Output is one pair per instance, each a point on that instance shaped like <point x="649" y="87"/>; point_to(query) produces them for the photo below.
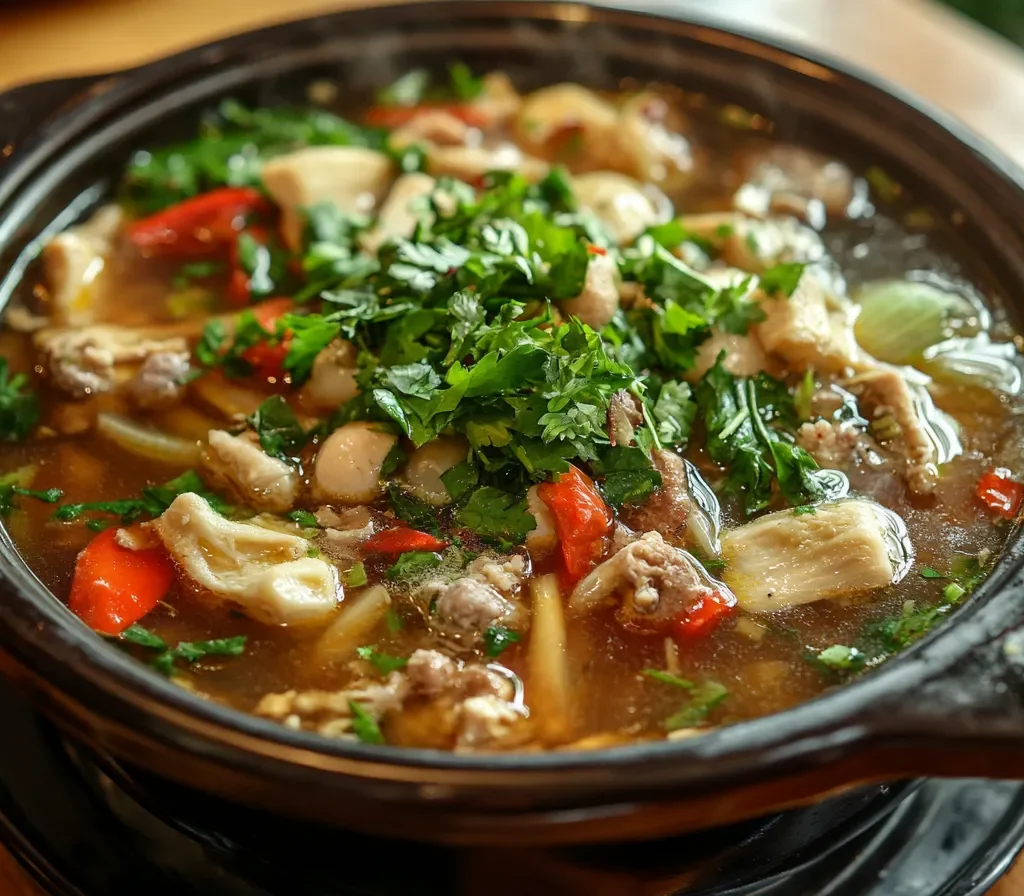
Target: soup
<point x="487" y="421"/>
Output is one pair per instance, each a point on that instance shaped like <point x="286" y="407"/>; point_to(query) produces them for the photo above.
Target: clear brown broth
<point x="611" y="694"/>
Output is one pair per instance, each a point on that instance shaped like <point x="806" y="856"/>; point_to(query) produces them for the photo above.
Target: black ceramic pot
<point x="953" y="705"/>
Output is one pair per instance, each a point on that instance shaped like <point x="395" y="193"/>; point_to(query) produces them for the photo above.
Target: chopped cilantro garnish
<point x="185" y="651"/>
<point x="669" y="678"/>
<point x="704" y="698"/>
<point x="280" y="433"/>
<point x="304" y="518"/>
<point x="782" y="279"/>
<point x="19" y="407"/>
<point x="497" y="638"/>
<point x="364" y="726"/>
<point x="840" y="658"/>
<point x="355" y="576"/>
<point x="413" y="563"/>
<point x="383" y="662"/>
<point x="926" y="572"/>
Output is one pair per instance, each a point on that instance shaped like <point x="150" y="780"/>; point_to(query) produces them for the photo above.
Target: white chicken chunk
<point x="810" y="329"/>
<point x="620" y="203"/>
<point x="926" y="437"/>
<point x="399" y="212"/>
<point x="653" y="581"/>
<point x="648" y="148"/>
<point x="599" y="301"/>
<point x="471" y="163"/>
<point x="837" y="550"/>
<point x="332" y="380"/>
<point x="352" y="178"/>
<point x="73" y="262"/>
<point x="549" y="113"/>
<point x="427" y="464"/>
<point x="832" y="444"/>
<point x="264" y="573"/>
<point x="785" y="179"/>
<point x="349" y="463"/>
<point x="239" y="464"/>
<point x="83" y="361"/>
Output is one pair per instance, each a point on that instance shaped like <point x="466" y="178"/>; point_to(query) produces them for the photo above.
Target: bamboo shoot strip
<point x="548" y="693"/>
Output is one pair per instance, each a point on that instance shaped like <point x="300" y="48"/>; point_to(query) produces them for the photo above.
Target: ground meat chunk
<point x="668" y="508"/>
<point x="239" y="464"/>
<point x="329" y="713"/>
<point x="504" y="573"/>
<point x="160" y="381"/>
<point x="431" y="672"/>
<point x="655" y="582"/>
<point x="486" y="721"/>
<point x="831" y="444"/>
<point x="470" y="605"/>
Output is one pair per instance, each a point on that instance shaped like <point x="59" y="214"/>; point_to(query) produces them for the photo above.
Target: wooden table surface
<point x="923" y="48"/>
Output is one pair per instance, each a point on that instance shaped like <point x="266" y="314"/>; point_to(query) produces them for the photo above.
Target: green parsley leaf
<point x="19" y="408"/>
<point x="497" y="638"/>
<point x="136" y="634"/>
<point x="408" y="90"/>
<point x="465" y="85"/>
<point x="704" y="699"/>
<point x="383" y="662"/>
<point x="627" y="475"/>
<point x="840" y="658"/>
<point x="782" y="279"/>
<point x="492" y="513"/>
<point x="364" y="726"/>
<point x="669" y="678"/>
<point x="926" y="572"/>
<point x="305" y="518"/>
<point x="674" y="411"/>
<point x="280" y="433"/>
<point x="413" y="563"/>
<point x="418" y="514"/>
<point x="355" y="576"/>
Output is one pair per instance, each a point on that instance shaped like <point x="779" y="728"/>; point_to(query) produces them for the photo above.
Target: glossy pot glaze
<point x="952" y="705"/>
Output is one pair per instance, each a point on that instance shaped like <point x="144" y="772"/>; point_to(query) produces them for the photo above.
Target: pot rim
<point x="45" y="638"/>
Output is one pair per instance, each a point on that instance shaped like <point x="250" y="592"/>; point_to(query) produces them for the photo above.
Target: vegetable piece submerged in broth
<point x="485" y="421"/>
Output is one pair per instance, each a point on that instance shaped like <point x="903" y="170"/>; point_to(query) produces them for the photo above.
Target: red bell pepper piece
<point x="999" y="493"/>
<point x="198" y="226"/>
<point x="582" y="519"/>
<point x="596" y="250"/>
<point x="390" y="117"/>
<point x="704" y="616"/>
<point x="114" y="587"/>
<point x="268" y="358"/>
<point x="401" y="539"/>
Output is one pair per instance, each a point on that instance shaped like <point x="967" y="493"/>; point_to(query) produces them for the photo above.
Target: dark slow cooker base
<point x="83" y="832"/>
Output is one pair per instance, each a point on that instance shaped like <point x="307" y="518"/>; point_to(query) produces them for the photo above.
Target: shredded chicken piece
<point x="82" y="362"/>
<point x="398" y="213"/>
<point x="744" y="355"/>
<point x="73" y="261"/>
<point x="435" y="127"/>
<point x="160" y="382"/>
<point x="470" y="163"/>
<point x="265" y="573"/>
<point x="239" y="464"/>
<point x="625" y="413"/>
<point x="656" y="582"/>
<point x="597" y="304"/>
<point x="353" y="178"/>
<point x="621" y="204"/>
<point x="887" y="391"/>
<point x="810" y="329"/>
<point x="432" y="673"/>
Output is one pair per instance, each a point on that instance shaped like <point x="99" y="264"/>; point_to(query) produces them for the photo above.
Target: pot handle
<point x="957" y="707"/>
<point x="27" y="109"/>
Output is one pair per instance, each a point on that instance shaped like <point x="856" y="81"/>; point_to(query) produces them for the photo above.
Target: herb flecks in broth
<point x="443" y="425"/>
